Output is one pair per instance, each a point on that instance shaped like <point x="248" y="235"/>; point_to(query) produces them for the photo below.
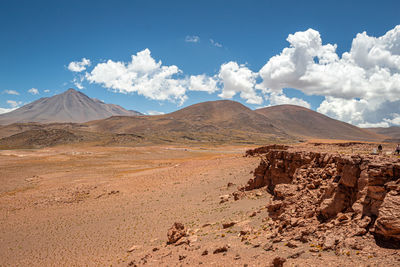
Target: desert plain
<point x="82" y="205"/>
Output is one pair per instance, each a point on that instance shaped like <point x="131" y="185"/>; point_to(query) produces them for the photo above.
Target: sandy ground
<point x="87" y="206"/>
<point x="78" y="206"/>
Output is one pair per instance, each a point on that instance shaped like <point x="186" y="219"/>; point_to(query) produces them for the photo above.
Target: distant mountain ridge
<point x="393" y="133"/>
<point x="304" y="122"/>
<point x="222" y="121"/>
<point x="70" y="106"/>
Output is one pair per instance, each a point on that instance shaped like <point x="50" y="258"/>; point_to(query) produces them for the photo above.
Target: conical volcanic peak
<point x="69" y="106"/>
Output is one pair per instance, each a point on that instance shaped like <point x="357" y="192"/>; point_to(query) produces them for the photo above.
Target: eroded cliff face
<point x="329" y="198"/>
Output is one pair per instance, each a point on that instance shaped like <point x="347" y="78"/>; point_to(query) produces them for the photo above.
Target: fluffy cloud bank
<point x="358" y="86"/>
<point x="142" y="75"/>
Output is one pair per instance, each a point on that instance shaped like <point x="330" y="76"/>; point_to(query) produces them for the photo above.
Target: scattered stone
<point x="205" y="252"/>
<point x="237" y="257"/>
<point x="296" y="254"/>
<point x="246" y="229"/>
<point x="268" y="246"/>
<point x="277" y="262"/>
<point x="237" y="195"/>
<point x="291" y="244"/>
<point x="228" y="224"/>
<point x="133" y="248"/>
<point x="182" y="257"/>
<point x="224" y="198"/>
<point x="221" y="249"/>
<point x="253" y="214"/>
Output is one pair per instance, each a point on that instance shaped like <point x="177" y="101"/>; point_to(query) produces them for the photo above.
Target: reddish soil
<point x="98" y="206"/>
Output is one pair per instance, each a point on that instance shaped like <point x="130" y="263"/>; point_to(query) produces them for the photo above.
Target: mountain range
<point x="72" y="116"/>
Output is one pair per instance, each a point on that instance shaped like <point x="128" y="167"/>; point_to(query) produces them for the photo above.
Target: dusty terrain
<point x="101" y="206"/>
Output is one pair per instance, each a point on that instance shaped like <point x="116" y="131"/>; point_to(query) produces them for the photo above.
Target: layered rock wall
<point x="330" y="194"/>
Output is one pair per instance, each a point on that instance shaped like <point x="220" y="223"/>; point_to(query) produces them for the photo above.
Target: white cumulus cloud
<point x="192" y="39"/>
<point x="358" y="87"/>
<point x="238" y="79"/>
<point x="203" y="83"/>
<point x="79" y="66"/>
<point x="280" y="99"/>
<point x="33" y="91"/>
<point x="142" y="75"/>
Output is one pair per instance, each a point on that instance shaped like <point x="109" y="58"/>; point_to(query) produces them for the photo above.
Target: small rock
<point x="277" y="262"/>
<point x="259" y="194"/>
<point x="176" y="232"/>
<point x="221" y="249"/>
<point x="268" y="246"/>
<point x="237" y="257"/>
<point x="230" y="184"/>
<point x="296" y="254"/>
<point x="291" y="244"/>
<point x="134" y="248"/>
<point x="228" y="224"/>
<point x="245" y="230"/>
<point x="182" y="257"/>
<point x="224" y="198"/>
<point x="238" y="195"/>
<point x="253" y="214"/>
<point x="205" y="252"/>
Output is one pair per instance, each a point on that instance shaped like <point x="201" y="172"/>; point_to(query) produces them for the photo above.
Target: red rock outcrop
<point x="330" y="198"/>
<point x="176" y="232"/>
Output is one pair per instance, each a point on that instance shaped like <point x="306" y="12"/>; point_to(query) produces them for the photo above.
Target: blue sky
<point x="40" y="39"/>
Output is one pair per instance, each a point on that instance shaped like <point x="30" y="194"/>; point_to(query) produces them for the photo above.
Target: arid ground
<point x="112" y="206"/>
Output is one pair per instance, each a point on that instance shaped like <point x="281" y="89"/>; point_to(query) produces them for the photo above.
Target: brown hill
<point x="70" y="106"/>
<point x="303" y="122"/>
<point x="222" y="120"/>
<point x="37" y="138"/>
<point x="393" y="133"/>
